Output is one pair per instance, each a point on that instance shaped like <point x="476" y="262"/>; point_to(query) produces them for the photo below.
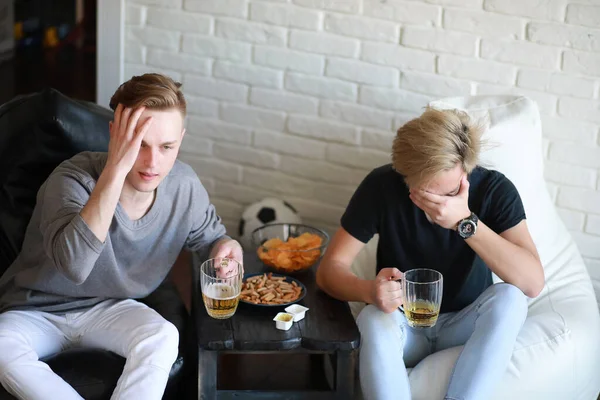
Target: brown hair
<point x="154" y="91"/>
<point x="435" y="142"/>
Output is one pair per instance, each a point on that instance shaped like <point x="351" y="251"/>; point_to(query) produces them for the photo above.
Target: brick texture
<point x="300" y="99"/>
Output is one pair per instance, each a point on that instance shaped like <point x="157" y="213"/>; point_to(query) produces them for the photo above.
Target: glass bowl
<point x="289" y="248"/>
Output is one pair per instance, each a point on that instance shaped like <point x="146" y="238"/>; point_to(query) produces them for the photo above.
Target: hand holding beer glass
<point x="221" y="283"/>
<point x="423" y="290"/>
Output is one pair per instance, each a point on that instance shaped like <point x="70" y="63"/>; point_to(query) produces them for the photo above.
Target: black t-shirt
<point x="407" y="240"/>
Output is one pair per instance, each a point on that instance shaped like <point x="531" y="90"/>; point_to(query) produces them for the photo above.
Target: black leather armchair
<point x="37" y="132"/>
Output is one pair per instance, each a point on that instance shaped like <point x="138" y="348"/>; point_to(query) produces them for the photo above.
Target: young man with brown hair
<point x="106" y="229"/>
<point x="433" y="207"/>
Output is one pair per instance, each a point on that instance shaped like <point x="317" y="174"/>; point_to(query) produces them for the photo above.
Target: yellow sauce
<point x="285" y="318"/>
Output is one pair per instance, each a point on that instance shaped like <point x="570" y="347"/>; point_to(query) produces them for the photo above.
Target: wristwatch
<point x="468" y="226"/>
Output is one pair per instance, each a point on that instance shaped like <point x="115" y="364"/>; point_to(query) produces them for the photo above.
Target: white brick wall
<point x="537" y="9"/>
<point x="251" y="75"/>
<point x="215" y="89"/>
<point x="483" y="23"/>
<point x="393" y="99"/>
<point x="581" y="38"/>
<point x="434" y="85"/>
<point x="285" y="15"/>
<point x="252" y="116"/>
<point x="476" y="69"/>
<point x="208" y="46"/>
<point x="548" y="81"/>
<point x="250" y="32"/>
<point x="246" y="155"/>
<point x="155" y="37"/>
<point x="407" y="12"/>
<point x="439" y="40"/>
<point x="323" y="43"/>
<point x="363" y="28"/>
<point x="323" y="129"/>
<point x="179" y="61"/>
<point x="588" y="110"/>
<point x="580" y="14"/>
<point x="356" y="114"/>
<point x="347" y="6"/>
<point x="288" y="144"/>
<point x="233" y="8"/>
<point x="361" y="72"/>
<point x="300" y="98"/>
<point x="564" y="129"/>
<point x="581" y="63"/>
<point x="520" y="52"/>
<point x="321" y="87"/>
<point x="179" y="20"/>
<point x="321" y="171"/>
<point x="135" y="15"/>
<point x="202" y="106"/>
<point x="398" y="56"/>
<point x="285" y="101"/>
<point x="289" y="60"/>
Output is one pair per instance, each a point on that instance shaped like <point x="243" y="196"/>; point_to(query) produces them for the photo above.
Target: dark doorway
<point x="54" y="46"/>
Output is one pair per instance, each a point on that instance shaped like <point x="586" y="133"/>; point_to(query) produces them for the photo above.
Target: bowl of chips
<point x="289" y="248"/>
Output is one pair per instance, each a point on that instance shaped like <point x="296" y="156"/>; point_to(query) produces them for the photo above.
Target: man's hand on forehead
<point x="445" y="210"/>
<point x="453" y="192"/>
<point x="126" y="136"/>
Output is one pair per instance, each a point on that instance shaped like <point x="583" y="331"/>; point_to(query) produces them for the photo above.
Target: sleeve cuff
<point x="86" y="233"/>
<point x="508" y="224"/>
<point x="217" y="240"/>
<point x="357" y="233"/>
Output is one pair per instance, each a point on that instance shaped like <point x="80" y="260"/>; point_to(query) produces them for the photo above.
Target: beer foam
<point x="220" y="291"/>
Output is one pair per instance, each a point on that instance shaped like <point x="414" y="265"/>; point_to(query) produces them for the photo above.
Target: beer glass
<point x="423" y="290"/>
<point x="221" y="283"/>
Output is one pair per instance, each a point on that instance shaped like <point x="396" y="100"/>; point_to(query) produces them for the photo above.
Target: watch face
<point x="466" y="229"/>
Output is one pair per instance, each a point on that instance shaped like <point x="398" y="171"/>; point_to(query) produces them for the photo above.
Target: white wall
<point x="300" y="98"/>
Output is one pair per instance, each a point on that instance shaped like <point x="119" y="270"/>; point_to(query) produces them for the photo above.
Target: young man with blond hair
<point x="433" y="207"/>
<point x="106" y="229"/>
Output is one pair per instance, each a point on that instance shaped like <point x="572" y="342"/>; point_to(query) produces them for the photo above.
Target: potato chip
<point x="295" y="254"/>
<point x="273" y="243"/>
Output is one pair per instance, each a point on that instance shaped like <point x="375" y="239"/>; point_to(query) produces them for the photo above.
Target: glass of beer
<point x="221" y="282"/>
<point x="422" y="297"/>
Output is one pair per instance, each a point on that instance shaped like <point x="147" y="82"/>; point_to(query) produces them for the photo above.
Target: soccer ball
<point x="266" y="211"/>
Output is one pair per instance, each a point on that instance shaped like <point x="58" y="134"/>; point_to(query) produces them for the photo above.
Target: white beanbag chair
<point x="557" y="354"/>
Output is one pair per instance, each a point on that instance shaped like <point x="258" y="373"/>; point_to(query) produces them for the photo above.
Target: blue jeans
<point x="487" y="328"/>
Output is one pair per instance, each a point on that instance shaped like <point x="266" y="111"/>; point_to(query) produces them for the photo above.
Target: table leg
<point x="344" y="375"/>
<point x="207" y="375"/>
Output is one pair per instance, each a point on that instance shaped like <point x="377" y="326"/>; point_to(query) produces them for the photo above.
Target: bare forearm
<point x="512" y="263"/>
<point x="338" y="281"/>
<point x="100" y="208"/>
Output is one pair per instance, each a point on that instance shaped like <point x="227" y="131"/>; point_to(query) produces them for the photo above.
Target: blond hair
<point x="436" y="141"/>
<point x="154" y="91"/>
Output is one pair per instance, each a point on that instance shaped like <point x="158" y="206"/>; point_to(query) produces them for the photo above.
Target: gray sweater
<point x="63" y="267"/>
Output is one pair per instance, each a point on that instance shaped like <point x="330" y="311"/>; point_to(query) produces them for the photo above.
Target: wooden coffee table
<point x="328" y="328"/>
